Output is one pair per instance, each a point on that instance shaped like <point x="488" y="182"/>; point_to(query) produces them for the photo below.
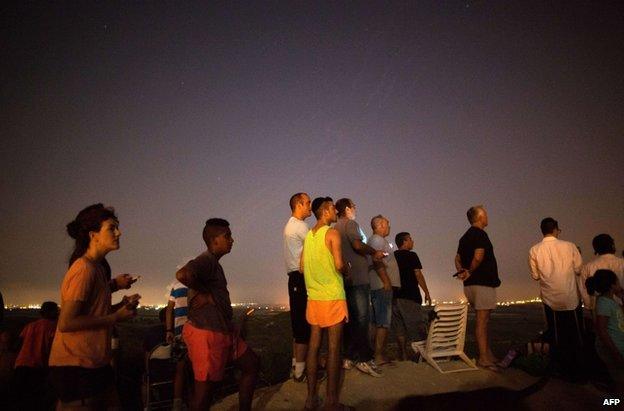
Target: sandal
<point x="489" y="367"/>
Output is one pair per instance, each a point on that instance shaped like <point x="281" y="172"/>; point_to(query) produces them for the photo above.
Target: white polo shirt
<point x="601" y="262"/>
<point x="555" y="264"/>
<point x="294" y="235"/>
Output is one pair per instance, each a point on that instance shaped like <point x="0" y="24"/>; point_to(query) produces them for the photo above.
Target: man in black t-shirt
<point x="476" y="267"/>
<point x="408" y="320"/>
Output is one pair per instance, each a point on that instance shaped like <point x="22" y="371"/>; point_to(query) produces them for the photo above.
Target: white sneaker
<point x="369" y="368"/>
<point x="347" y="364"/>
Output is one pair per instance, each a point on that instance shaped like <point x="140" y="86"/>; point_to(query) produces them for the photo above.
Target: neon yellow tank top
<point x="323" y="281"/>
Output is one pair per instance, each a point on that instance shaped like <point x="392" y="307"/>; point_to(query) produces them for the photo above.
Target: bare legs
<point x="381" y="335"/>
<point x="402" y="347"/>
<point x="202" y="395"/>
<point x="486" y="357"/>
<point x="178" y="380"/>
<point x="300" y="350"/>
<point x="248" y="364"/>
<point x="333" y="365"/>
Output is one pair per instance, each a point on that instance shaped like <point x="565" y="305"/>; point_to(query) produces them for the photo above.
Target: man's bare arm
<point x="477" y="259"/>
<point x="458" y="264"/>
<point x="332" y="241"/>
<point x="169" y="321"/>
<point x="423" y="284"/>
<point x="365" y="249"/>
<point x="380" y="268"/>
<point x="188" y="277"/>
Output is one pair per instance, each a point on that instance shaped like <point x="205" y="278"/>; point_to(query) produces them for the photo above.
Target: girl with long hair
<point x="80" y="358"/>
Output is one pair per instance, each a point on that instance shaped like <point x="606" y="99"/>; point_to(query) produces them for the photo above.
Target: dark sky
<point x="174" y="112"/>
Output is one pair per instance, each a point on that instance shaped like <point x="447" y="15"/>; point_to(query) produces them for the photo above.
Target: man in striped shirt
<point x="177" y="309"/>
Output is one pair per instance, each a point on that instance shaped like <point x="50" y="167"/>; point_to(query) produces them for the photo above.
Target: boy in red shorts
<point x="209" y="333"/>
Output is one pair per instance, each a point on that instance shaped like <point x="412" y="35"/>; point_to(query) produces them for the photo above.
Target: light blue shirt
<point x="606" y="307"/>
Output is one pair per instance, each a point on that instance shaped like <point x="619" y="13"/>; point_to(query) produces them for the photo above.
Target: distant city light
<point x="281" y="307"/>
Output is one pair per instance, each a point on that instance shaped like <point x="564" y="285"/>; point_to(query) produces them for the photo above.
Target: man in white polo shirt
<point x="295" y="232"/>
<point x="604" y="248"/>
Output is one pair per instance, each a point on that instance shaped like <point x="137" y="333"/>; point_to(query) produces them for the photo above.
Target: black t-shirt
<point x="408" y="261"/>
<point x="487" y="272"/>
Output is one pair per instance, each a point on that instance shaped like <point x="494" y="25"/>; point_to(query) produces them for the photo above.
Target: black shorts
<point x="78" y="383"/>
<point x="298" y="299"/>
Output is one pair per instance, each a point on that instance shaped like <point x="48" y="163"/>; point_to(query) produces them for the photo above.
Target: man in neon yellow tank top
<point x="323" y="269"/>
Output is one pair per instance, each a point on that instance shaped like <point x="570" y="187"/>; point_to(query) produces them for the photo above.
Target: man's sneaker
<point x="369" y="368"/>
<point x="347" y="364"/>
<point x="321" y="375"/>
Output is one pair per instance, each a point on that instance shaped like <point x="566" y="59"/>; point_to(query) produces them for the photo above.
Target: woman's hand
<point x="124" y="313"/>
<point x="131" y="300"/>
<point x="125" y="281"/>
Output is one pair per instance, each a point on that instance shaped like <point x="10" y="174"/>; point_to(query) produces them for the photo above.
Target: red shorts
<point x="210" y="351"/>
<point x="326" y="313"/>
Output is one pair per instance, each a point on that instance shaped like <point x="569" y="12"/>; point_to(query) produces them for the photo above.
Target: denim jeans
<point x="357" y="342"/>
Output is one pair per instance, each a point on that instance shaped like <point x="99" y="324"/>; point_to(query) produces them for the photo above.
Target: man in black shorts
<point x="294" y="234"/>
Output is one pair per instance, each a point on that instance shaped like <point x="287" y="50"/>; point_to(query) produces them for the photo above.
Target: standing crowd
<point x="341" y="283"/>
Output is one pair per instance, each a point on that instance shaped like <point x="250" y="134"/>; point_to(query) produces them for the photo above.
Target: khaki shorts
<point x="481" y="297"/>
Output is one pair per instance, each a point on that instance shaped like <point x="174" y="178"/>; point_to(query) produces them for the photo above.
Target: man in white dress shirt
<point x="556" y="264"/>
<point x="295" y="232"/>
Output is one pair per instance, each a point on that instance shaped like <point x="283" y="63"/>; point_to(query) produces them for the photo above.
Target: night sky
<point x="174" y="112"/>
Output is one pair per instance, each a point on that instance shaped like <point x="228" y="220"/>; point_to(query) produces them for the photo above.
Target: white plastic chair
<point x="160" y="355"/>
<point x="447" y="335"/>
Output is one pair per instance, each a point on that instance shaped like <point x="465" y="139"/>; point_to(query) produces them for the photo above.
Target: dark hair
<point x="88" y="220"/>
<point x="317" y="206"/>
<point x="401" y="238"/>
<point x="549" y="225"/>
<point x="296" y="199"/>
<point x="342" y="204"/>
<point x="49" y="310"/>
<point x="473" y="212"/>
<point x="214" y="228"/>
<point x="603" y="244"/>
<point x="601" y="282"/>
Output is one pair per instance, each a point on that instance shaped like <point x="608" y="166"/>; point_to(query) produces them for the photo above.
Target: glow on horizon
<point x="283" y="306"/>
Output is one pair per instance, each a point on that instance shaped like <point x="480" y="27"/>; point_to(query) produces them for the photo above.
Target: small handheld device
<point x="458" y="273"/>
